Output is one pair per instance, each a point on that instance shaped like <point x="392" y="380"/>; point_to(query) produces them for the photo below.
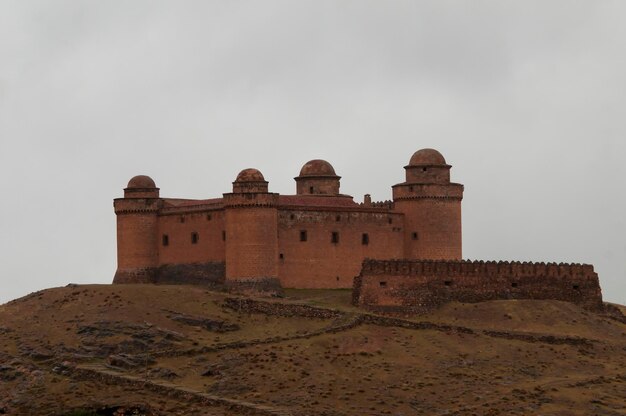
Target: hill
<point x="179" y="350"/>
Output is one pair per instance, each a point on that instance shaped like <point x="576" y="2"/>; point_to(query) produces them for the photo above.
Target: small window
<point x="424" y="169"/>
<point x="414" y="235"/>
<point x="311" y="189"/>
<point x="194" y="238"/>
<point x="390" y="221"/>
<point x="576" y="287"/>
<point x="365" y="239"/>
<point x="514" y="284"/>
<point x="166" y="240"/>
<point x="303" y="236"/>
<point x="281" y="256"/>
<point x="410" y="189"/>
<point x="338" y="218"/>
<point x="448" y="283"/>
<point x="337" y="278"/>
<point x="208" y="217"/>
<point x="382" y="284"/>
<point x="292" y="217"/>
<point x="182" y="219"/>
<point x="334" y="238"/>
<point x="223" y="235"/>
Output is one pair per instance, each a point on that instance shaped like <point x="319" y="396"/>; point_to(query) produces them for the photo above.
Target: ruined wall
<point x="191" y="237"/>
<point x="402" y="285"/>
<point x="315" y="260"/>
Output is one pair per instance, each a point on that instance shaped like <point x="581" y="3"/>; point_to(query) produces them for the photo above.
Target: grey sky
<point x="525" y="99"/>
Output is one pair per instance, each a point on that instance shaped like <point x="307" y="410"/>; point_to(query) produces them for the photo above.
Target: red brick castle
<point x="319" y="238"/>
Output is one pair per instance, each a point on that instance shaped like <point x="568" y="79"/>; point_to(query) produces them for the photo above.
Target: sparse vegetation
<point x="175" y="350"/>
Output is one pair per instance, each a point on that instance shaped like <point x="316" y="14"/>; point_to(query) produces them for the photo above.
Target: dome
<point x="317" y="167"/>
<point x="427" y="157"/>
<point x="141" y="182"/>
<point x="250" y="175"/>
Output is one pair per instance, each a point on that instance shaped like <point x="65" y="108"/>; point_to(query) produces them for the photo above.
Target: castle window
<point x="182" y="219"/>
<point x="194" y="238"/>
<point x="390" y="221"/>
<point x="448" y="283"/>
<point x="292" y="217"/>
<point x="514" y="284"/>
<point x="334" y="238"/>
<point x="338" y="218"/>
<point x="424" y="169"/>
<point x="382" y="284"/>
<point x="281" y="256"/>
<point x="410" y="189"/>
<point x="414" y="235"/>
<point x="165" y="240"/>
<point x="223" y="235"/>
<point x="303" y="235"/>
<point x="208" y="217"/>
<point x="576" y="287"/>
<point x="365" y="239"/>
<point x="311" y="189"/>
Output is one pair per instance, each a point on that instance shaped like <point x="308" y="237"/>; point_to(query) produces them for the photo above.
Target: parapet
<point x="420" y="285"/>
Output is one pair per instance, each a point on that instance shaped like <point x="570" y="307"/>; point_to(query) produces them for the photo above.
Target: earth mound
<point x="180" y="350"/>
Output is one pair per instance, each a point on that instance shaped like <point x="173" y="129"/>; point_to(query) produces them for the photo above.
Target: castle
<point x="251" y="238"/>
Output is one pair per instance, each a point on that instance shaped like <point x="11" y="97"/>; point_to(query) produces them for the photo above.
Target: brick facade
<point x="317" y="238"/>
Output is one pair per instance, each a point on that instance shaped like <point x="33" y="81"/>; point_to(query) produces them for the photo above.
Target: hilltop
<point x="181" y="350"/>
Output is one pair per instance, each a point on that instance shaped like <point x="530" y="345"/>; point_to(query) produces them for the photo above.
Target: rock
<point x="130" y="361"/>
<point x="208" y="324"/>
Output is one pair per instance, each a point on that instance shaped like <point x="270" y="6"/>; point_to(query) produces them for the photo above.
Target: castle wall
<point x="178" y="230"/>
<point x="403" y="285"/>
<point x="319" y="262"/>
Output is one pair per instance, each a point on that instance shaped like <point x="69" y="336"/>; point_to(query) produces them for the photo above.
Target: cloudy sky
<point x="525" y="99"/>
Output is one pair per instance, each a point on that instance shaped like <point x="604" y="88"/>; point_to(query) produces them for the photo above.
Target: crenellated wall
<point x="419" y="285"/>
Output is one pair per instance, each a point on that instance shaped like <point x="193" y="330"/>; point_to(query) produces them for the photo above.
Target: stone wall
<point x="420" y="285"/>
<point x="205" y="274"/>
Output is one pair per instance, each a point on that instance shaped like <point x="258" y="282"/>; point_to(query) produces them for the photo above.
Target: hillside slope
<point x="176" y="350"/>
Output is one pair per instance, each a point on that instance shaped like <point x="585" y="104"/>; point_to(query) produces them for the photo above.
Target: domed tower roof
<point x="317" y="177"/>
<point x="427" y="157"/>
<point x="250" y="175"/>
<point x="141" y="186"/>
<point x="427" y="166"/>
<point x="141" y="182"/>
<point x="250" y="181"/>
<point x="317" y="167"/>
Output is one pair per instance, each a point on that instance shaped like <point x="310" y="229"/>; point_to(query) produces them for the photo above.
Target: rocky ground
<point x="176" y="350"/>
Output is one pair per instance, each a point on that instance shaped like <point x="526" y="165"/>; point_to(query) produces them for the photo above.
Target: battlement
<point x="419" y="285"/>
<point x="446" y="268"/>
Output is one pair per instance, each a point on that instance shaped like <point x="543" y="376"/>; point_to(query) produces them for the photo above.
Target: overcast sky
<point x="525" y="99"/>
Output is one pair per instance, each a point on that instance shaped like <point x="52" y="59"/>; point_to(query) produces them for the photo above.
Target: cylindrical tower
<point x="251" y="221"/>
<point x="137" y="229"/>
<point x="432" y="208"/>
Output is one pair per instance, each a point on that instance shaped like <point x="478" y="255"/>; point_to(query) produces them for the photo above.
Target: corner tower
<point x="251" y="233"/>
<point x="317" y="177"/>
<point x="137" y="228"/>
<point x="431" y="205"/>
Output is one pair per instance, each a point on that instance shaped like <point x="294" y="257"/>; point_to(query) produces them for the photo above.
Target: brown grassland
<point x="181" y="350"/>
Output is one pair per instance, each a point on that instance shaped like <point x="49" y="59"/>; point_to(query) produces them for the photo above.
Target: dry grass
<point x="366" y="370"/>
